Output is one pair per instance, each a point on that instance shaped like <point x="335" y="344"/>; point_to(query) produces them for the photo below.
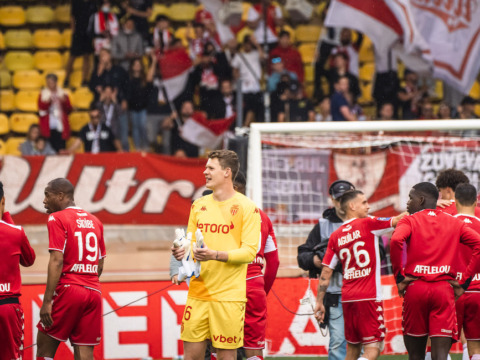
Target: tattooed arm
<point x="322" y="290"/>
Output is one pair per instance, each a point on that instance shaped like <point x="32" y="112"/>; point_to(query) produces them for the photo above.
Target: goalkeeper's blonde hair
<point x="227" y="159"/>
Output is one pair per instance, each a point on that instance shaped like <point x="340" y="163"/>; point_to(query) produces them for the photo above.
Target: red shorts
<point x="255" y="314"/>
<point x="76" y="314"/>
<point x="460" y="311"/>
<point x="429" y="309"/>
<point x="11" y="331"/>
<point x="364" y="322"/>
<point x="471" y="321"/>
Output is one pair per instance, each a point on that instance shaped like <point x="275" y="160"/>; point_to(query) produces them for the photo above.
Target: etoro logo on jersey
<point x="215" y="228"/>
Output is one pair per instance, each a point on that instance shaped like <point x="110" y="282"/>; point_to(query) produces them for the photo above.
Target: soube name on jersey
<point x="85" y="224"/>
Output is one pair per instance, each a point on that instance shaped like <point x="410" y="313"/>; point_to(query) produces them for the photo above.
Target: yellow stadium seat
<point x="21" y="122"/>
<point x="27" y="79"/>
<point x="182" y="12"/>
<point x="307" y="52"/>
<point x="477" y="110"/>
<point x="366" y="52"/>
<point x="18" y="60"/>
<point x="71" y="140"/>
<point x="307" y="33"/>
<point x="40" y="15"/>
<point x="12" y="16"/>
<point x="182" y="34"/>
<point x="4" y="125"/>
<point x="309" y="90"/>
<point x="48" y="60"/>
<point x="242" y="33"/>
<point x="13" y="145"/>
<point x="7" y="100"/>
<point x="75" y="79"/>
<point x="18" y="39"/>
<point x="62" y="14"/>
<point x="60" y="75"/>
<point x="5" y="79"/>
<point x="475" y="91"/>
<point x="78" y="120"/>
<point x="82" y="98"/>
<point x="77" y="64"/>
<point x="27" y="100"/>
<point x="47" y="39"/>
<point x="439" y="89"/>
<point x="366" y="93"/>
<point x="158" y="9"/>
<point x="401" y="70"/>
<point x="2" y="41"/>
<point x="67" y="38"/>
<point x="366" y="72"/>
<point x="309" y="72"/>
<point x="3" y="148"/>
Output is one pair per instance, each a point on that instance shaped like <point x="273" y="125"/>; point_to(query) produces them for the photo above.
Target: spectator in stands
<point x="157" y="112"/>
<point x="247" y="67"/>
<point x="110" y="110"/>
<point x="349" y="50"/>
<point x="127" y="45"/>
<point x="106" y="73"/>
<point x="161" y="36"/>
<point x="179" y="146"/>
<point x="278" y="70"/>
<point x="224" y="106"/>
<point x="410" y="96"/>
<point x="354" y="107"/>
<point x="444" y="112"/>
<point x="466" y="110"/>
<point x="95" y="136"/>
<point x="426" y="110"/>
<point x="139" y="11"/>
<point x="386" y="112"/>
<point x="53" y="108"/>
<point x="279" y="101"/>
<point x="290" y="56"/>
<point x="103" y="26"/>
<point x="339" y="103"/>
<point x="81" y="11"/>
<point x="231" y="49"/>
<point x="139" y="88"/>
<point x="297" y="107"/>
<point x="197" y="42"/>
<point x="340" y="69"/>
<point x="323" y="113"/>
<point x="256" y="21"/>
<point x="36" y="144"/>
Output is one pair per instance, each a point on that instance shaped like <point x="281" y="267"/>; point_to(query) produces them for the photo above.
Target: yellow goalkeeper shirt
<point x="233" y="226"/>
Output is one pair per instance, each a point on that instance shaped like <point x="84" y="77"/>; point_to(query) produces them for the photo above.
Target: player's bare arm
<point x="397" y="218"/>
<point x="205" y="254"/>
<point x="54" y="271"/>
<point x="457" y="289"/>
<point x="100" y="266"/>
<point x="442" y="203"/>
<point x="325" y="277"/>
<point x="178" y="253"/>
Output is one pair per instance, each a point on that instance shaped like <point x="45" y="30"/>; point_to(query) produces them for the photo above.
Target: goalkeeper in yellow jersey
<point x="230" y="225"/>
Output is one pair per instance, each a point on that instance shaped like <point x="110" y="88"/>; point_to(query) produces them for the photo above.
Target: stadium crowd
<point x="132" y="56"/>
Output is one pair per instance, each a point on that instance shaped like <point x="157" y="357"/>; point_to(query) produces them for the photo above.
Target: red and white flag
<point x="175" y="66"/>
<point x="447" y="33"/>
<point x="200" y="131"/>
<point x="224" y="32"/>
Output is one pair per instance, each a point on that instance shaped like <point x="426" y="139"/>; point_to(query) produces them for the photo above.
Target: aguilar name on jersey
<point x="354" y="244"/>
<point x="79" y="236"/>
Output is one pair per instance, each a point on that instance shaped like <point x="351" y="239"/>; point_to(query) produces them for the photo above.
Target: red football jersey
<point x="15" y="250"/>
<point x="267" y="243"/>
<point x="452" y="209"/>
<point x="433" y="238"/>
<point x="355" y="245"/>
<point x="79" y="236"/>
<point x="466" y="253"/>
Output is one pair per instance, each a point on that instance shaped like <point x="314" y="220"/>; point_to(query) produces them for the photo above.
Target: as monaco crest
<point x="234" y="209"/>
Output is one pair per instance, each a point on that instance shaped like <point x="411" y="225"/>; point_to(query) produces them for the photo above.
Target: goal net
<point x="291" y="165"/>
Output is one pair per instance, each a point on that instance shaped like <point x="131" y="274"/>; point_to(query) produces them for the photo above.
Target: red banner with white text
<point x="130" y="188"/>
<point x="151" y="326"/>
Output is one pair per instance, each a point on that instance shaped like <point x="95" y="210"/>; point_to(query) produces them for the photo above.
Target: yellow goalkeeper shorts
<point x="221" y="322"/>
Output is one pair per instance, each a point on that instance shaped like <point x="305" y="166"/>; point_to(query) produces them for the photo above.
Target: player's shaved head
<point x="465" y="194"/>
<point x="428" y="190"/>
<point x="422" y="196"/>
<point x="62" y="185"/>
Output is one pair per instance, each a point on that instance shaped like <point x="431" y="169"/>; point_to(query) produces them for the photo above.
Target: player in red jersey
<point x="468" y="305"/>
<point x="433" y="238"/>
<point x="72" y="304"/>
<point x="447" y="181"/>
<point x="15" y="250"/>
<point x="258" y="283"/>
<point x="355" y="246"/>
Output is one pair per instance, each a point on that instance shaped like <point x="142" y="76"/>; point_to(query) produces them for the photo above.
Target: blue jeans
<point x="123" y="130"/>
<point x="139" y="129"/>
<point x="337" y="348"/>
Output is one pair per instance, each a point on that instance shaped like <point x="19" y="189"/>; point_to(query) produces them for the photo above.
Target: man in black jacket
<point x="310" y="257"/>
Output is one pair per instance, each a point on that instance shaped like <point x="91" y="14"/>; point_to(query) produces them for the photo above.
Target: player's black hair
<point x="451" y="178"/>
<point x="1" y="190"/>
<point x="465" y="194"/>
<point x="62" y="185"/>
<point x="161" y="17"/>
<point x="283" y="33"/>
<point x="428" y="190"/>
<point x="347" y="197"/>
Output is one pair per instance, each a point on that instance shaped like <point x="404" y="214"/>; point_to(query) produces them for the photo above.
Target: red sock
<point x="213" y="356"/>
<point x="429" y="349"/>
<point x="44" y="358"/>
